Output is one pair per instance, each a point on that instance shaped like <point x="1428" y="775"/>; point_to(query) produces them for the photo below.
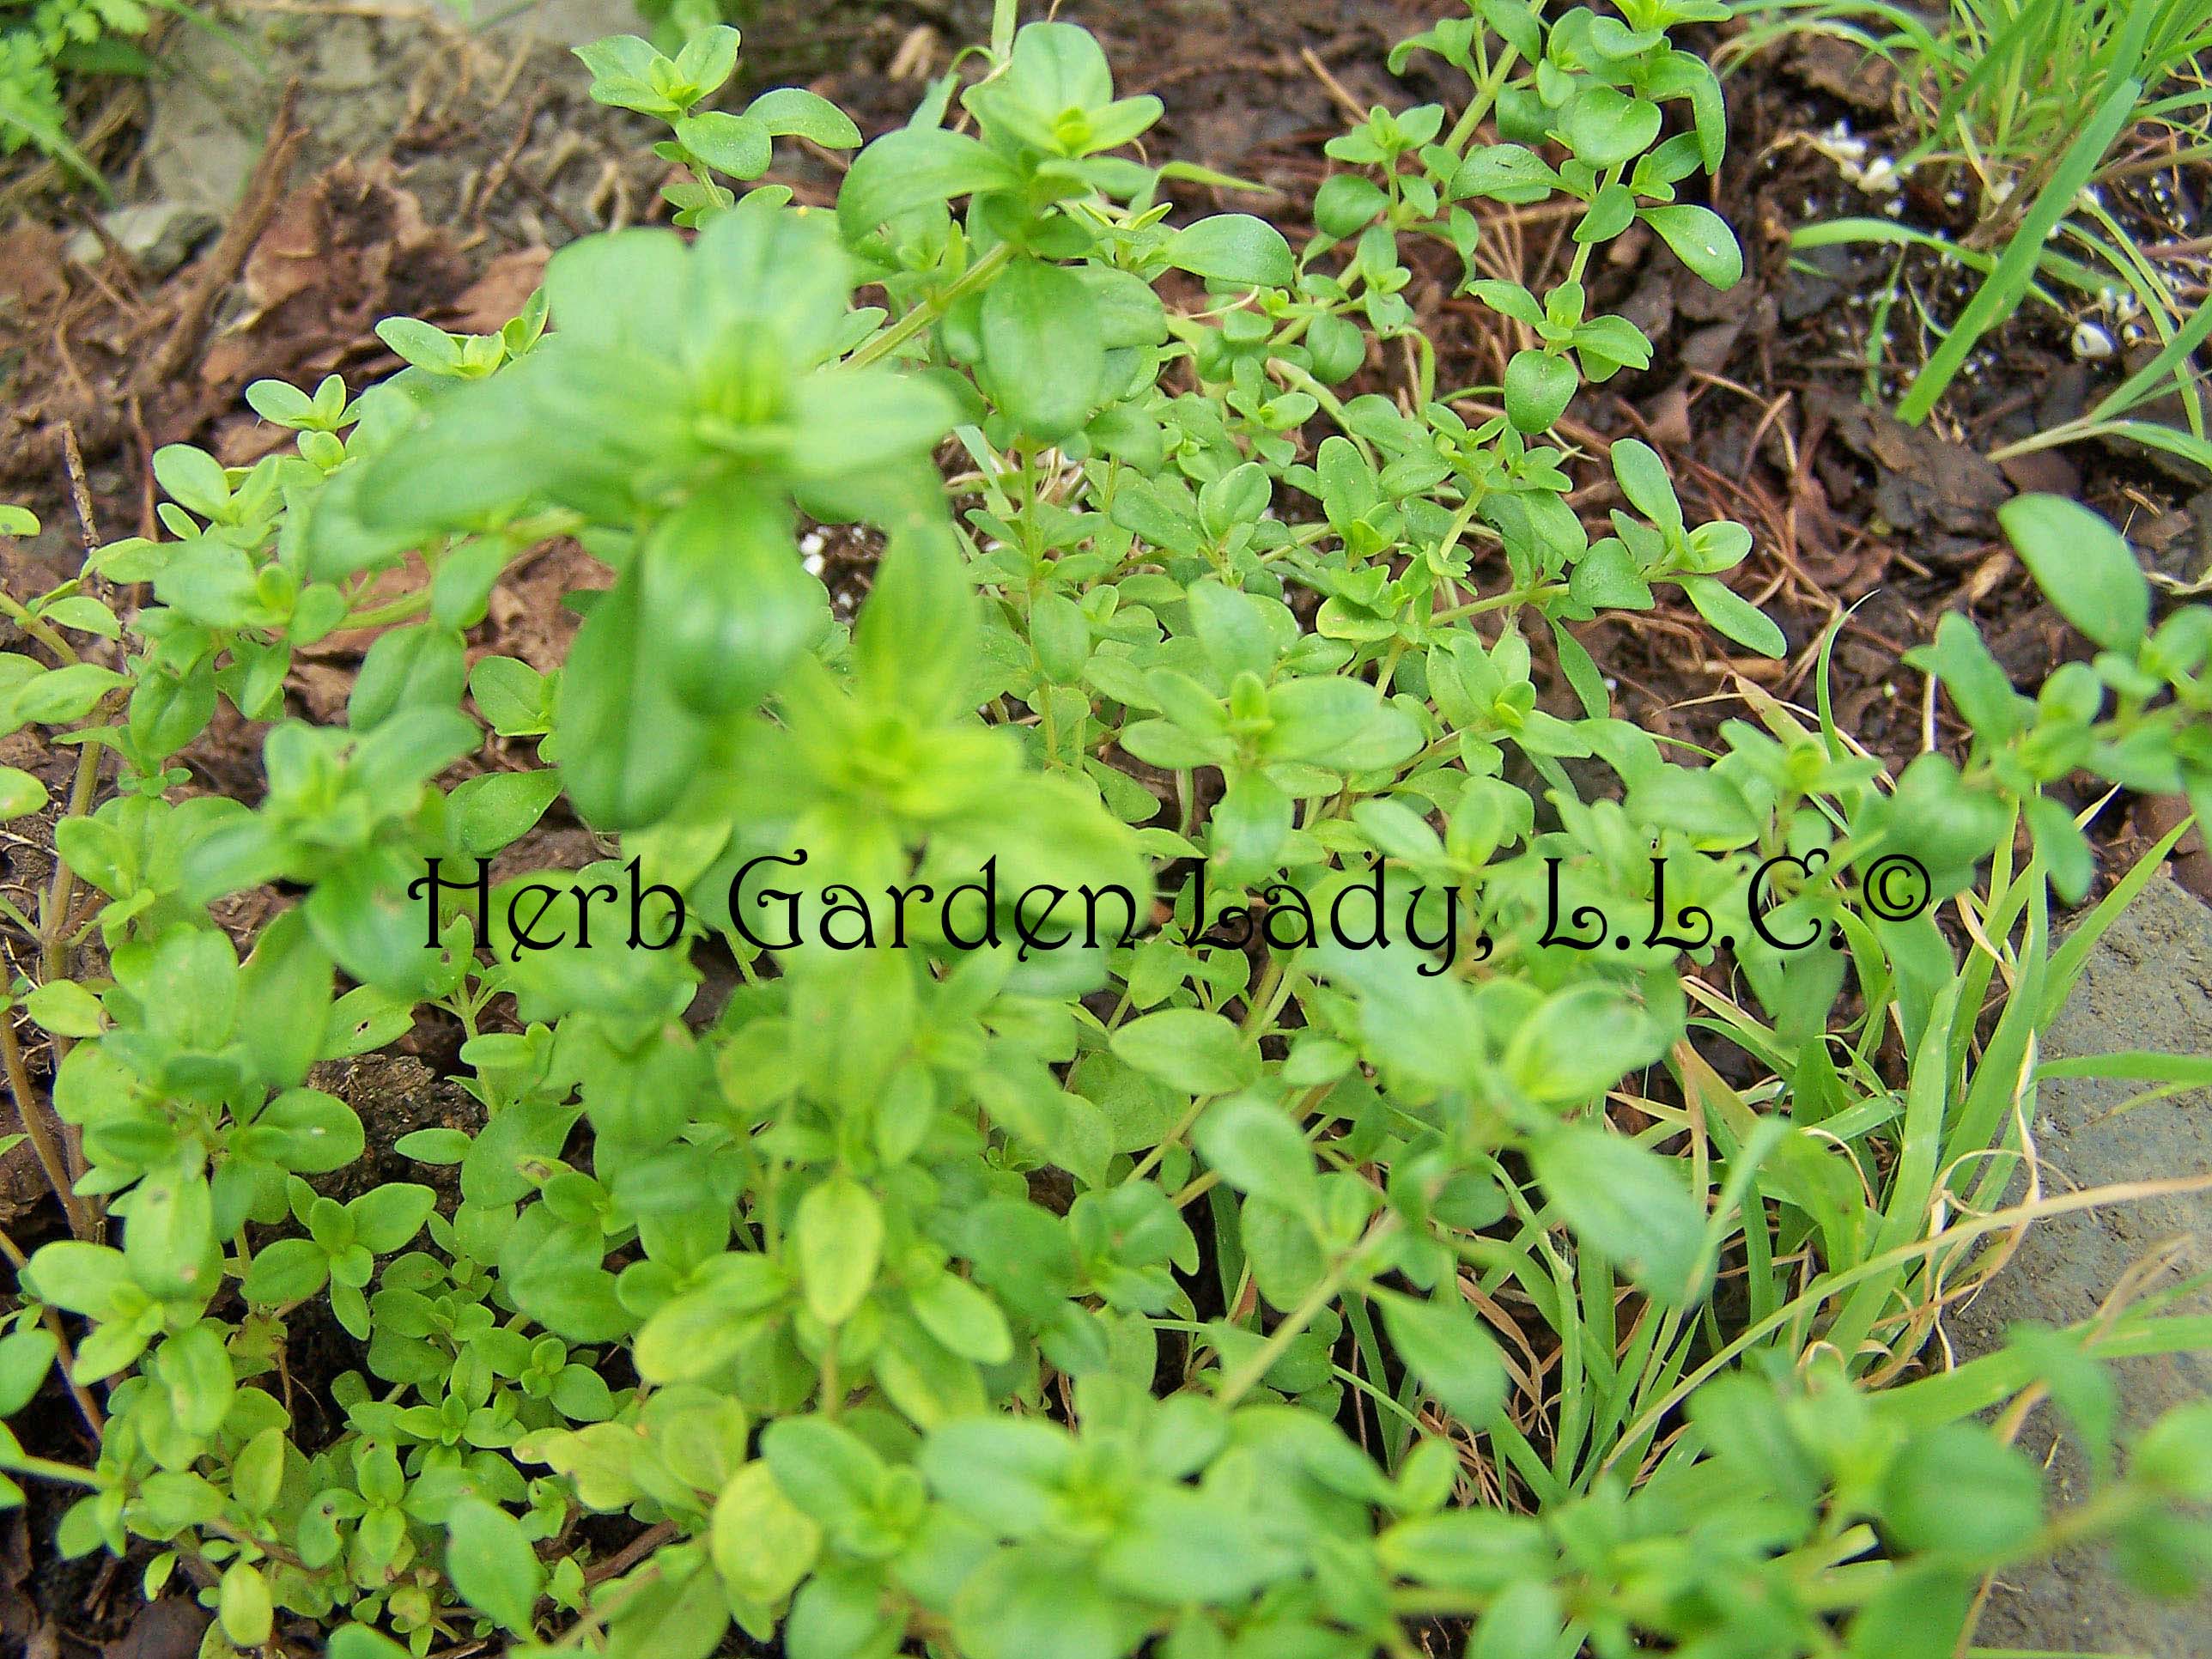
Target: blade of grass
<point x="2000" y="294"/>
<point x="1833" y="233"/>
<point x="2134" y="1066"/>
<point x="1913" y="1182"/>
<point x="1889" y="1262"/>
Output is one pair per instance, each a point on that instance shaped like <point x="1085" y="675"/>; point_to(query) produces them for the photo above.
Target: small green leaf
<point x="1582" y="1040"/>
<point x="1538" y="389"/>
<point x="243" y="1606"/>
<point x="1234" y="248"/>
<point x="914" y="167"/>
<point x="352" y="1641"/>
<point x="420" y="344"/>
<point x="1627" y="1202"/>
<point x="20" y="793"/>
<point x="629" y="746"/>
<point x="2059" y="842"/>
<point x="65" y="1008"/>
<point x="1444" y="1344"/>
<point x="491" y="1563"/>
<point x="307" y="1131"/>
<point x="1606" y="127"/>
<point x="1042" y="349"/>
<point x="708" y="58"/>
<point x="1644" y="480"/>
<point x="496" y="808"/>
<point x="193" y="478"/>
<point x="734" y="144"/>
<point x="509" y="694"/>
<point x="1735" y="615"/>
<point x="169" y="1239"/>
<point x="803" y="115"/>
<point x="1960" y="1490"/>
<point x="1914" y="1613"/>
<point x="1701" y="240"/>
<point x="1182" y="1545"/>
<point x="25" y="1357"/>
<point x="1346" y="203"/>
<point x="1504" y="173"/>
<point x="84" y="1279"/>
<point x="279" y="402"/>
<point x="839" y="1239"/>
<point x="764" y="1543"/>
<point x="963" y="1318"/>
<point x="1200" y="1053"/>
<point x="436" y="1146"/>
<point x="1022" y="1604"/>
<point x="1258" y="1151"/>
<point x="1526" y="1618"/>
<point x="288" y="1270"/>
<point x="388" y="1216"/>
<point x="2083" y="566"/>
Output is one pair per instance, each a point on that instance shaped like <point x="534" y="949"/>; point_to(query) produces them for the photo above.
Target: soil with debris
<point x="319" y="165"/>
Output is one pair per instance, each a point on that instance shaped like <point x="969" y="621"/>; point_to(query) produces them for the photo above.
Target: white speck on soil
<point x="2091" y="343"/>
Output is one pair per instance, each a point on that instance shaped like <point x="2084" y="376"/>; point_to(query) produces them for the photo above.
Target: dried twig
<point x="631" y="1553"/>
<point x="33" y="1113"/>
<point x="1334" y="87"/>
<point x="221" y="266"/>
<point x="489" y="187"/>
<point x="80" y="489"/>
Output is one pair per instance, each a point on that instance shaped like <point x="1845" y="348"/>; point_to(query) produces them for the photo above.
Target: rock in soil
<point x="158" y="236"/>
<point x="2147" y="984"/>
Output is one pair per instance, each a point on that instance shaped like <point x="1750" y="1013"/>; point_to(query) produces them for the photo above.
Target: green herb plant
<point x="985" y="1289"/>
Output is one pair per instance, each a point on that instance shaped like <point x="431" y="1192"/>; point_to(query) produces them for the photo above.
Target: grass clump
<point x="968" y="1277"/>
<point x="2035" y="116"/>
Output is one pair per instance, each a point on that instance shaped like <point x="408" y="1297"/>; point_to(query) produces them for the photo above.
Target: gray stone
<point x="211" y="106"/>
<point x="208" y="113"/>
<point x="2148" y="984"/>
<point x="158" y="236"/>
<point x="559" y="22"/>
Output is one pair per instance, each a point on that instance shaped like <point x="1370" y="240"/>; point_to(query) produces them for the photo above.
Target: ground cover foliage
<point x="42" y="40"/>
<point x="975" y="1287"/>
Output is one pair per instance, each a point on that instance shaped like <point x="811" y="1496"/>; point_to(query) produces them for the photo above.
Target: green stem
<point x="1173" y="1138"/>
<point x="1485" y="94"/>
<point x="1584" y="250"/>
<point x="57" y="930"/>
<point x="1499" y="601"/>
<point x="1241" y="1381"/>
<point x="399" y="610"/>
<point x="47" y="1469"/>
<point x="1291" y="375"/>
<point x="932" y="308"/>
<point x="38" y="629"/>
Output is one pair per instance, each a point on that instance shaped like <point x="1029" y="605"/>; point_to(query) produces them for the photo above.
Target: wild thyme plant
<point x="1253" y="1294"/>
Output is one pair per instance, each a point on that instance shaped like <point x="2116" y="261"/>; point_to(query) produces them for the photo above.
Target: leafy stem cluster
<point x="960" y="1280"/>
